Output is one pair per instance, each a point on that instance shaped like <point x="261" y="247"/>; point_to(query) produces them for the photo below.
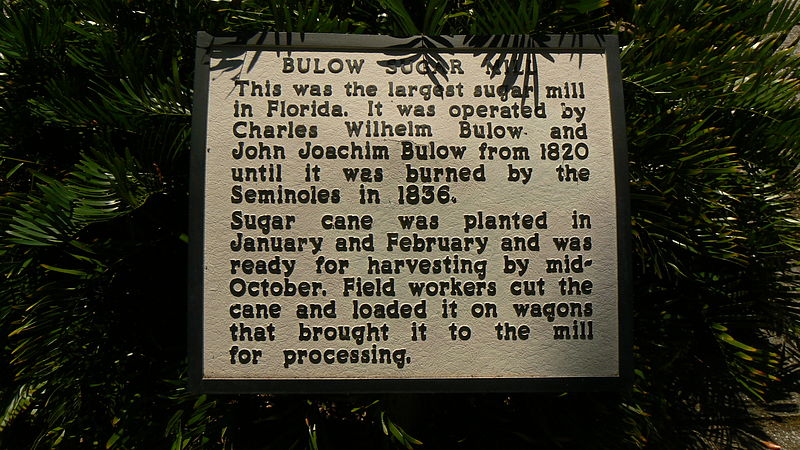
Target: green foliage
<point x="712" y="108"/>
<point x="95" y="101"/>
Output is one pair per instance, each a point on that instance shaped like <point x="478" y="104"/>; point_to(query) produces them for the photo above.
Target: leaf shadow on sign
<point x="513" y="63"/>
<point x="230" y="59"/>
<point x="509" y="56"/>
<point x="422" y="49"/>
<point x="519" y="60"/>
<point x="426" y="49"/>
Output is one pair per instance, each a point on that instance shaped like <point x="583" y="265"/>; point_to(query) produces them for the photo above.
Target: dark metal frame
<point x="579" y="44"/>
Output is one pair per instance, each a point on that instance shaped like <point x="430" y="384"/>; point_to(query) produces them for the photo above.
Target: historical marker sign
<point x="381" y="214"/>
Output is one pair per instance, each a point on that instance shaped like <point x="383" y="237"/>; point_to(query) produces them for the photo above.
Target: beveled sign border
<point x="579" y="44"/>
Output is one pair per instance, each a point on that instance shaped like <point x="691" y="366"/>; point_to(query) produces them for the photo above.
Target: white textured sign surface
<point x="386" y="215"/>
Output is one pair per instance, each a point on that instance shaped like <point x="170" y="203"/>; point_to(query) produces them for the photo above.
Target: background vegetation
<point x="95" y="105"/>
